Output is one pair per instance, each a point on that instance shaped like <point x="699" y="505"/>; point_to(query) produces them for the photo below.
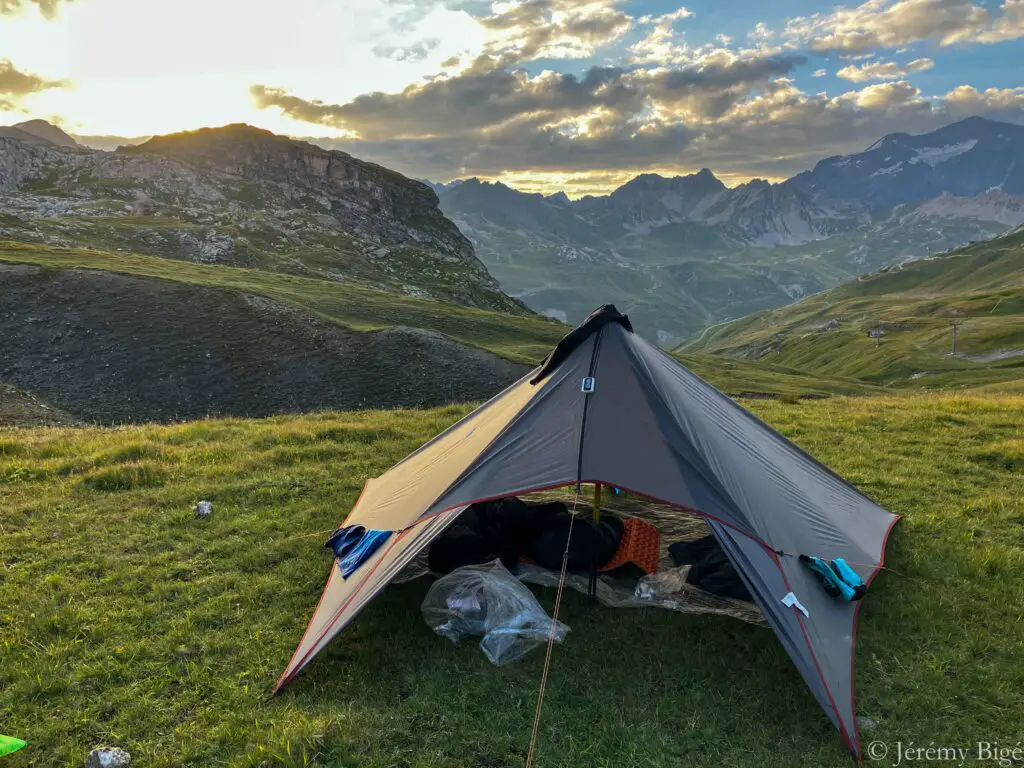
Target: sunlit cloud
<point x="888" y="24"/>
<point x="582" y="93"/>
<point x="883" y="70"/>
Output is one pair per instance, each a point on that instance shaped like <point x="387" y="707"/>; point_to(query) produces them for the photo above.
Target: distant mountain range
<point x="686" y="252"/>
<point x="244" y="197"/>
<point x="679" y="254"/>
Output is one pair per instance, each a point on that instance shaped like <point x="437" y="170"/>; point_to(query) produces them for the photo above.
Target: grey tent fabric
<point x="652" y="427"/>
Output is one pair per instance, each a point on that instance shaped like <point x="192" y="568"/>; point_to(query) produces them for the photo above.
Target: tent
<point x="606" y="407"/>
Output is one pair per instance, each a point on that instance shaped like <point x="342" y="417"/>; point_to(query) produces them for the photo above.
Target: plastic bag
<point x="665" y="585"/>
<point x="487" y="600"/>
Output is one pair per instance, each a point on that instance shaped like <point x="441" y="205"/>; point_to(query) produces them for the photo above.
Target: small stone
<point x="866" y="723"/>
<point x="203" y="509"/>
<point x="108" y="757"/>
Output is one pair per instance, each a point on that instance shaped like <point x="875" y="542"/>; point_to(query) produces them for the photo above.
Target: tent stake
<point x="597" y="502"/>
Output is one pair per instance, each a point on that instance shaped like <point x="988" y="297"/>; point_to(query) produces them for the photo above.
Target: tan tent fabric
<point x="399" y="497"/>
<point x="344" y="598"/>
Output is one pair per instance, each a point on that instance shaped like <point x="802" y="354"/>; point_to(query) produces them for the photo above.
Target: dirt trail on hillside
<point x="114" y="348"/>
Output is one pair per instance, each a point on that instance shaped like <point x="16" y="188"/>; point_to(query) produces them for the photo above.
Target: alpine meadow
<point x="458" y="384"/>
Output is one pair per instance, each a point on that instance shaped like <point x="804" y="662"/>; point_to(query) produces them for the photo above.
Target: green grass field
<point x="126" y="621"/>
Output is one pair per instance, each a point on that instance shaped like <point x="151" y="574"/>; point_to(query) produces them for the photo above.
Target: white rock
<point x="866" y="723"/>
<point x="108" y="757"/>
<point x="203" y="509"/>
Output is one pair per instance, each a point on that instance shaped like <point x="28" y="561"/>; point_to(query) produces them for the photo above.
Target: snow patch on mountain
<point x="889" y="170"/>
<point x="935" y="155"/>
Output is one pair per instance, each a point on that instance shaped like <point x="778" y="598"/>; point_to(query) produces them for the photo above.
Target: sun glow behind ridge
<point x="140" y="68"/>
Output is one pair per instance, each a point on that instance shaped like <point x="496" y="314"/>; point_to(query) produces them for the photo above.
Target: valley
<point x="136" y="285"/>
<point x="683" y="253"/>
<point x="893" y="327"/>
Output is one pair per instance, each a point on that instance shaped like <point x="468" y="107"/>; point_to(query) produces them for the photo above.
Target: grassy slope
<point x="126" y="621"/>
<point x="746" y="377"/>
<point x="913" y="303"/>
<point x="524" y="339"/>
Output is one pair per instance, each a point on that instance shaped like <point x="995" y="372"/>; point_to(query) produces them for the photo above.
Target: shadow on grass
<point x="656" y="685"/>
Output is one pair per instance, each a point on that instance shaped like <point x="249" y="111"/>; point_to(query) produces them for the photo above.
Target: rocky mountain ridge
<point x="967" y="158"/>
<point x="243" y="196"/>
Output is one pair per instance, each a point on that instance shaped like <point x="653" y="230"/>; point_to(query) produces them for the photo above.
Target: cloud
<point x="461" y="104"/>
<point x="776" y="132"/>
<point x="1008" y="26"/>
<point x="418" y="51"/>
<point x="472" y="101"/>
<point x="14" y="83"/>
<point x="998" y="103"/>
<point x="786" y="130"/>
<point x="47" y="7"/>
<point x="670" y="106"/>
<point x="883" y="70"/>
<point x="565" y="29"/>
<point x="889" y="24"/>
<point x="761" y="33"/>
<point x="723" y="69"/>
<point x="888" y="96"/>
<point x="660" y="45"/>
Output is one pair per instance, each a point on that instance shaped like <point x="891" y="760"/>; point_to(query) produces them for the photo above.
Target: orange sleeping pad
<point x="640" y="545"/>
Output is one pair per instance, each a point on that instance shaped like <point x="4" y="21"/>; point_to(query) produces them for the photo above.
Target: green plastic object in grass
<point x="8" y="745"/>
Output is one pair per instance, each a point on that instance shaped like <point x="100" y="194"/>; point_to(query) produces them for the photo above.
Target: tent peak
<point x="594" y="322"/>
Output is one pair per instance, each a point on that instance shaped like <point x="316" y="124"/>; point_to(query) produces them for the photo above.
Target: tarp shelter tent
<point x="651" y="427"/>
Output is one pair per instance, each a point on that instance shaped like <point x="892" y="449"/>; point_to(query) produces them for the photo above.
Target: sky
<point x="578" y="95"/>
